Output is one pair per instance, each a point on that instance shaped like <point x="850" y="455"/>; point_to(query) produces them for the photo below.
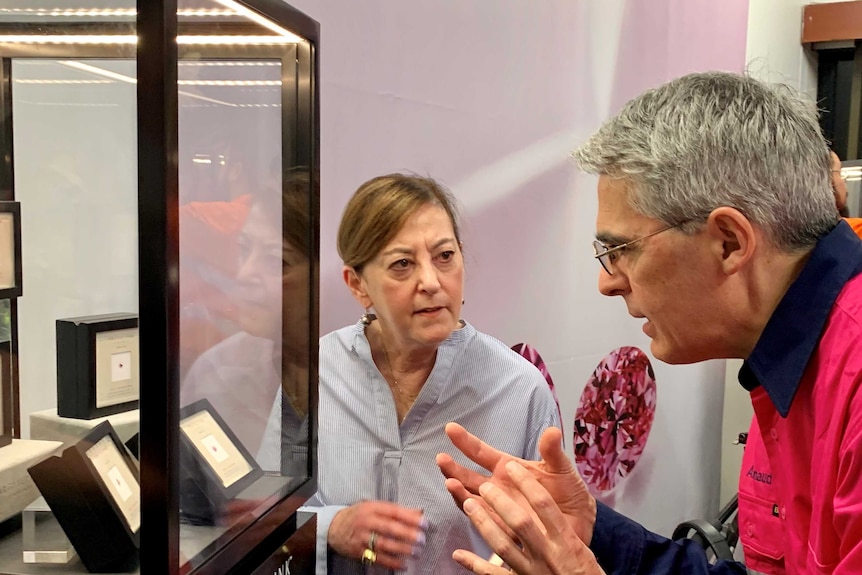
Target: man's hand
<point x="548" y="543"/>
<point x="554" y="473"/>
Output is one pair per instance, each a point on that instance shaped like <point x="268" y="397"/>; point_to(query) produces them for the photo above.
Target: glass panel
<point x="245" y="275"/>
<point x="245" y="224"/>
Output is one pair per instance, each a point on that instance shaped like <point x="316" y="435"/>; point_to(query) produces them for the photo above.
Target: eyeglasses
<point x="607" y="255"/>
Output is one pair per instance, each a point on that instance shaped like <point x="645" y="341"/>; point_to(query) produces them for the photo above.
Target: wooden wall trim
<point x="832" y="21"/>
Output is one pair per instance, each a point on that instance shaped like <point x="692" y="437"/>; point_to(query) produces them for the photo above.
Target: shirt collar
<point x="791" y="335"/>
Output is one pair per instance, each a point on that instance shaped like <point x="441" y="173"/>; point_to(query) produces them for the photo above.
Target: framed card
<point x="94" y="491"/>
<point x="98" y="365"/>
<point x="11" y="277"/>
<point x="215" y="466"/>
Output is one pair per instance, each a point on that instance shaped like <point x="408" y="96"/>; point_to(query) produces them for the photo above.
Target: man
<point x="717" y="226"/>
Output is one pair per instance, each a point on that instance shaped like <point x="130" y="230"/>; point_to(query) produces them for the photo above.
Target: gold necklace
<point x="391" y="371"/>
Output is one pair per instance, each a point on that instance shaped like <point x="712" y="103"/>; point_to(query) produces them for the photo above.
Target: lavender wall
<point x="490" y="98"/>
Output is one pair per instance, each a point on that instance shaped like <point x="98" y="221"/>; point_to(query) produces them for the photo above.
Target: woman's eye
<point x="447" y="255"/>
<point x="402" y="264"/>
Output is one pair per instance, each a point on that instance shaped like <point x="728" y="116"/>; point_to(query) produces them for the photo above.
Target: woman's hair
<point x="378" y="210"/>
<point x="718" y="139"/>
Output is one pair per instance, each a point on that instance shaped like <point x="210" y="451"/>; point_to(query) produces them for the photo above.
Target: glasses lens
<point x="603" y="258"/>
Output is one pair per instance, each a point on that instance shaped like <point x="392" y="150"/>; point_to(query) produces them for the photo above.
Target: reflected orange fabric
<point x="208" y="241"/>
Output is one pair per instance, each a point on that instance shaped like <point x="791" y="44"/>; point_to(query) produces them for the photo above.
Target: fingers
<point x="520" y="523"/>
<point x="474" y="448"/>
<point x="499" y="540"/>
<point x="553" y="520"/>
<point x="390" y="531"/>
<point x="551" y="450"/>
<point x="468" y="479"/>
<point x="458" y="492"/>
<point x="476" y="564"/>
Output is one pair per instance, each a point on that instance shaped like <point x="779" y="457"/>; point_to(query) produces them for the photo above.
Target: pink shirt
<point x="800" y="487"/>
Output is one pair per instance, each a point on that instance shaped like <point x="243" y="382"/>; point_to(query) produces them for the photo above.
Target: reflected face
<point x="416" y="283"/>
<point x="272" y="284"/>
<point x="668" y="280"/>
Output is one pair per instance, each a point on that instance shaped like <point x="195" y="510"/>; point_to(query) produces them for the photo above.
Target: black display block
<point x="93" y="489"/>
<point x="91" y="365"/>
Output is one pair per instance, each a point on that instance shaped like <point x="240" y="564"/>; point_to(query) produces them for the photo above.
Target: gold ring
<point x="372" y="539"/>
<point x="369" y="557"/>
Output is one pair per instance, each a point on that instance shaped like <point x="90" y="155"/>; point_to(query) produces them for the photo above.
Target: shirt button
<point x="773" y="433"/>
<point x="783" y="513"/>
<point x="749" y="529"/>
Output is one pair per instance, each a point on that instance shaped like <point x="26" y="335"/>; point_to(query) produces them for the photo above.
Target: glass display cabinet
<point x="158" y="368"/>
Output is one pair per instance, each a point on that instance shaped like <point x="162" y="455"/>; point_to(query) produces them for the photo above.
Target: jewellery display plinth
<point x="17" y="490"/>
<point x="49" y="425"/>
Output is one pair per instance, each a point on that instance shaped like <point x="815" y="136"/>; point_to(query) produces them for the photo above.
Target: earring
<point x="462" y="302"/>
<point x="367" y="317"/>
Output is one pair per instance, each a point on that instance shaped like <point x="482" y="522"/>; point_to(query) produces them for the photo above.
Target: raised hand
<point x="542" y="539"/>
<point x="391" y="532"/>
<point x="555" y="473"/>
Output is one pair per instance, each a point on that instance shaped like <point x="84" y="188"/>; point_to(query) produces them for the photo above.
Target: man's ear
<point x="356" y="285"/>
<point x="733" y="238"/>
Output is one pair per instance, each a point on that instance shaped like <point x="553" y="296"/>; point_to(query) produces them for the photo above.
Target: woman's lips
<point x="429" y="310"/>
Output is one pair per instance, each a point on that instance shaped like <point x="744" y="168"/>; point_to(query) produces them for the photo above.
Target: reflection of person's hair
<point x="378" y="210"/>
<point x="717" y="139"/>
<point x="298" y="220"/>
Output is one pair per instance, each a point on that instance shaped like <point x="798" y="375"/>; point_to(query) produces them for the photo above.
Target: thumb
<point x="551" y="450"/>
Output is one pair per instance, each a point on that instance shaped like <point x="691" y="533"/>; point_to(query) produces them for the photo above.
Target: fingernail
<point x="423" y="525"/>
<point x="418" y="546"/>
<point x="485" y="488"/>
<point x="470" y="505"/>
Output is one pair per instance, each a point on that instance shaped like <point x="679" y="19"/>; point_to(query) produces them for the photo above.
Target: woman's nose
<point x="428" y="279"/>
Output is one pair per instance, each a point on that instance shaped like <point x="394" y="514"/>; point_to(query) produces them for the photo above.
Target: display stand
<point x="95" y="494"/>
<point x="48" y="425"/>
<point x="16" y="488"/>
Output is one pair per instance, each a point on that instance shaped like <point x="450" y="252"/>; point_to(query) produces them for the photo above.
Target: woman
<point x="389" y="384"/>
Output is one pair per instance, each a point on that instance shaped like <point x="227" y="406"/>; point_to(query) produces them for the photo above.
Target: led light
<point x="235" y="39"/>
<point x="67" y="39"/>
<point x="255" y="17"/>
<point x="229" y="82"/>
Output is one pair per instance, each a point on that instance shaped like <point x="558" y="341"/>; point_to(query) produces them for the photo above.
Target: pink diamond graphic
<point x="614" y="417"/>
<point x="531" y="355"/>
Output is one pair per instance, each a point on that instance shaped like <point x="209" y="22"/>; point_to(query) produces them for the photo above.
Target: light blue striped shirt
<point x="363" y="453"/>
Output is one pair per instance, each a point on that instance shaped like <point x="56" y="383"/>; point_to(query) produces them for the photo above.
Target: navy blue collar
<point x="791" y="335"/>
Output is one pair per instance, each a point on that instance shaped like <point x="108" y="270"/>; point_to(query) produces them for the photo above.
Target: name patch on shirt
<point x="758" y="476"/>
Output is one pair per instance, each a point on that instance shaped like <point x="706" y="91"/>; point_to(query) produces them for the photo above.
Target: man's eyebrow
<point x="610" y="239"/>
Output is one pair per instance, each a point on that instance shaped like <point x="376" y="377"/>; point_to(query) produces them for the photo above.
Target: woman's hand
<point x="398" y="532"/>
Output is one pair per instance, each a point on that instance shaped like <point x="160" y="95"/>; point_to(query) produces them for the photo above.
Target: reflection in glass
<point x="245" y="244"/>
